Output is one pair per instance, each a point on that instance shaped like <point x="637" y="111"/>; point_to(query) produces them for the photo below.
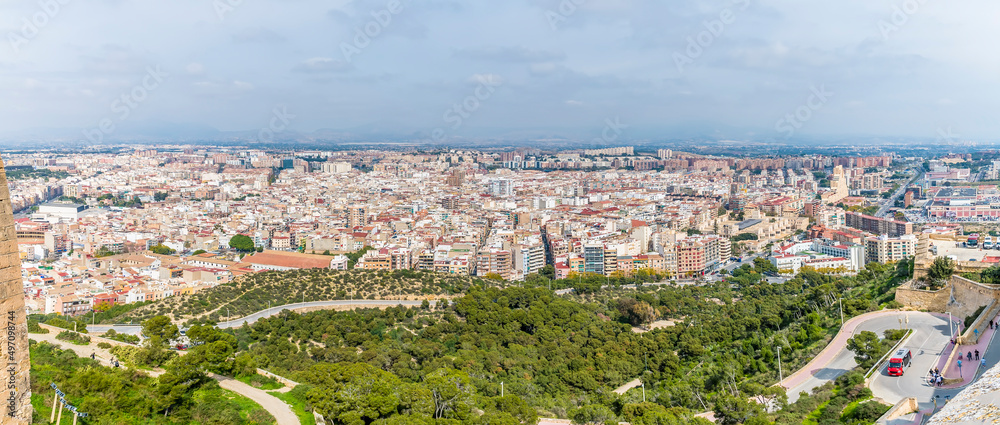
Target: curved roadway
<point x="315" y="304"/>
<point x="929" y="341"/>
<point x="137" y="329"/>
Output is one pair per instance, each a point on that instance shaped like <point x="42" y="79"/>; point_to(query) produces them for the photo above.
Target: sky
<point x="442" y="69"/>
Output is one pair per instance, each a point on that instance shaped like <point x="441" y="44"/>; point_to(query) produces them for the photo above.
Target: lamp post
<point x="501" y="388"/>
<point x="951" y="332"/>
<point x="841" y="301"/>
<point x="643" y="391"/>
<point x="780" y="376"/>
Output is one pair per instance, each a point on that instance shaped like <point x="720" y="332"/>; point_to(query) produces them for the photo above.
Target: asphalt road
<point x="914" y="383"/>
<point x="273" y="311"/>
<point x="889" y="203"/>
<point x="928" y="340"/>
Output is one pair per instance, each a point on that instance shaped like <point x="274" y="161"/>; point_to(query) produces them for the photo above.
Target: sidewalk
<point x="970" y="368"/>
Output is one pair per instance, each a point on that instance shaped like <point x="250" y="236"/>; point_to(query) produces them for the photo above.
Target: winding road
<point x="928" y="343"/>
<point x="273" y="311"/>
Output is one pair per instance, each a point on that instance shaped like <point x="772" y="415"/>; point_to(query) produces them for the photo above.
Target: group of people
<point x="936" y="378"/>
<point x="968" y="356"/>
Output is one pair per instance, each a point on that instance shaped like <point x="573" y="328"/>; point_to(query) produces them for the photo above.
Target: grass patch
<point x="296" y="399"/>
<point x="262" y="382"/>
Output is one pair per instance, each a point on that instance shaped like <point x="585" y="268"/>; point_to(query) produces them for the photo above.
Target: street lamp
<point x="780" y="375"/>
<point x="841" y="301"/>
<point x="951" y="332"/>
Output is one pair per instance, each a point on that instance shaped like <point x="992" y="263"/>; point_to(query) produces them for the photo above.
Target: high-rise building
<point x="357" y="215"/>
<point x="878" y="226"/>
<point x="16" y="408"/>
<point x="884" y="249"/>
<point x="593" y="258"/>
<point x="501" y="187"/>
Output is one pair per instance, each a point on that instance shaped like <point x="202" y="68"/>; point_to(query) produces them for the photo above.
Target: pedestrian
<point x="968" y="356"/>
<point x="983" y="362"/>
<point x="940" y="380"/>
<point x="937" y="371"/>
<point x="977" y="354"/>
<point x="991" y="324"/>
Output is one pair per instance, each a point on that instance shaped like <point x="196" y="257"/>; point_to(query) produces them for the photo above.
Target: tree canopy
<point x="242" y="243"/>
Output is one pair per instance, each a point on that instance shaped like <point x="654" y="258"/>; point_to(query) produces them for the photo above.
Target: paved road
<point x="929" y="340"/>
<point x="926" y="353"/>
<point x="315" y="304"/>
<point x="835" y="360"/>
<point x="889" y="203"/>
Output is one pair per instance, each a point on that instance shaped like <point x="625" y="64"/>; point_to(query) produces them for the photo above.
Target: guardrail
<point x="902" y="340"/>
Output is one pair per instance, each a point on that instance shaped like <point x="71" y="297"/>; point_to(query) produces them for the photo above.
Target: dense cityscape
<point x="523" y="212"/>
<point x="125" y="233"/>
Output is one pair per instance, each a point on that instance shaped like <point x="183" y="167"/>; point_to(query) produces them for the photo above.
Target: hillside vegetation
<point x="251" y="293"/>
<point x="563" y="356"/>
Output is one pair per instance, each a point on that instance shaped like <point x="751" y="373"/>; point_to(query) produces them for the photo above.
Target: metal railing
<point x="902" y="340"/>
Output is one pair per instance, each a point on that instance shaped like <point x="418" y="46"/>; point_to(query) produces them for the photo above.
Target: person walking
<point x="940" y="380"/>
<point x="968" y="356"/>
<point x="991" y="324"/>
<point x="977" y="354"/>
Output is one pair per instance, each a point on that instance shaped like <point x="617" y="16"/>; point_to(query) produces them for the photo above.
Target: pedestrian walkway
<point x="970" y="366"/>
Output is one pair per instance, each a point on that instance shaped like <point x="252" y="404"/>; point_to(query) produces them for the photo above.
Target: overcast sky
<point x="877" y="67"/>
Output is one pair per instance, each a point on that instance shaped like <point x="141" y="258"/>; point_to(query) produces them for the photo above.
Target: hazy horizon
<point x="590" y="70"/>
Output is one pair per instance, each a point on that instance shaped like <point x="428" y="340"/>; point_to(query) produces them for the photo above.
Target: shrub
<point x="73" y="337"/>
<point x="103" y="345"/>
<point x="35" y="328"/>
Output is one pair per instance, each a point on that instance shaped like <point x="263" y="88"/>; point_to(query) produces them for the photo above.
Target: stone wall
<point x="919" y="299"/>
<point x="967" y="296"/>
<point x="903" y="408"/>
<point x="960" y="296"/>
<point x="16" y="407"/>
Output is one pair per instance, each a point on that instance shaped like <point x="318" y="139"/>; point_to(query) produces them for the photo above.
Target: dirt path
<point x="277" y="408"/>
<point x="281" y="412"/>
<point x="628" y="386"/>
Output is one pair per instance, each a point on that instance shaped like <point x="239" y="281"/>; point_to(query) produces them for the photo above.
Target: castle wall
<point x="16" y="392"/>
